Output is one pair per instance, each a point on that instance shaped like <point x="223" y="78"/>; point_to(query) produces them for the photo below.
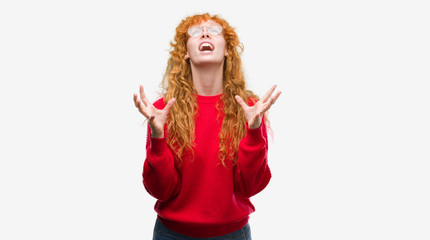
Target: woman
<point x="207" y="137"/>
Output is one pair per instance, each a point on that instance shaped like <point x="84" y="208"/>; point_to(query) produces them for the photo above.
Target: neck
<point x="207" y="79"/>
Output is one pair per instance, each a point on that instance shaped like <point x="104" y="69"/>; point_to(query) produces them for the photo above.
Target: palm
<point x="156" y="117"/>
<point x="254" y="114"/>
<point x="159" y="117"/>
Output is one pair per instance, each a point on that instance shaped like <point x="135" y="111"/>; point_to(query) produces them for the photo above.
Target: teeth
<point x="206" y="45"/>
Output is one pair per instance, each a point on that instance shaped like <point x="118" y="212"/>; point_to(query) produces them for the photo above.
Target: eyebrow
<point x="206" y="25"/>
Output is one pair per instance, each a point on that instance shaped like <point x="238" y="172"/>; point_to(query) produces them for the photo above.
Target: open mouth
<point x="206" y="47"/>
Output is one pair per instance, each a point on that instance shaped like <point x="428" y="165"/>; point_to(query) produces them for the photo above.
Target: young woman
<point x="207" y="136"/>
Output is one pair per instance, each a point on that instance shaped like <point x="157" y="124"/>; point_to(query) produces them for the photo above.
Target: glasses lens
<point x="195" y="31"/>
<point x="214" y="29"/>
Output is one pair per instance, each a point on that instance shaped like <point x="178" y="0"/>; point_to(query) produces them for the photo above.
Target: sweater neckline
<point x="208" y="99"/>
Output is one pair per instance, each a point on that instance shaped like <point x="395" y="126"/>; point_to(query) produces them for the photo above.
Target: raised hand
<point x="156" y="117"/>
<point x="254" y="114"/>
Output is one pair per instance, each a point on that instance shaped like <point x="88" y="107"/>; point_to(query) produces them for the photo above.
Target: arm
<point x="160" y="176"/>
<point x="252" y="173"/>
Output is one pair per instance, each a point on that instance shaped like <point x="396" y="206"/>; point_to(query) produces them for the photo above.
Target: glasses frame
<point x="202" y="30"/>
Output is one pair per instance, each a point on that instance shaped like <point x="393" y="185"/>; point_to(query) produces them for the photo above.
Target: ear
<point x="186" y="56"/>
<point x="226" y="53"/>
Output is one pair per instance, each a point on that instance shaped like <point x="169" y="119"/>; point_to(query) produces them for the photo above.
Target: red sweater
<point x="202" y="198"/>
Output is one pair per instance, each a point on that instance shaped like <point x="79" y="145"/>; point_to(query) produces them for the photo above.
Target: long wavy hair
<point x="177" y="83"/>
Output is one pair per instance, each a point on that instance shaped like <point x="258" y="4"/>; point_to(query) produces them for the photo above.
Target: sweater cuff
<point x="254" y="136"/>
<point x="159" y="145"/>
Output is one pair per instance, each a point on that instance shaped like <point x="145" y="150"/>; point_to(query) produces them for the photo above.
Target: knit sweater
<point x="202" y="198"/>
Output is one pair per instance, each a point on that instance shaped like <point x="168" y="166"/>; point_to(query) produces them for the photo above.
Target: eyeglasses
<point x="196" y="31"/>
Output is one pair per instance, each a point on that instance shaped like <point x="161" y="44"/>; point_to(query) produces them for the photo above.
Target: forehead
<point x="207" y="23"/>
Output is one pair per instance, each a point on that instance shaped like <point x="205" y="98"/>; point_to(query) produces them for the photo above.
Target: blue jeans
<point x="163" y="233"/>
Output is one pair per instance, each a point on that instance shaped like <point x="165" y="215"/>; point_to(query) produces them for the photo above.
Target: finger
<point x="268" y="94"/>
<point x="143" y="97"/>
<point x="141" y="109"/>
<point x="169" y="105"/>
<point x="274" y="98"/>
<point x="271" y="101"/>
<point x="135" y="100"/>
<point x="240" y="101"/>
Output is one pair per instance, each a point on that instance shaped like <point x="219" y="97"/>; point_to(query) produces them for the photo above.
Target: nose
<point x="205" y="33"/>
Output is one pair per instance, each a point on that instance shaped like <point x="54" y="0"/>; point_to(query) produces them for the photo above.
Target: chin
<point x="208" y="60"/>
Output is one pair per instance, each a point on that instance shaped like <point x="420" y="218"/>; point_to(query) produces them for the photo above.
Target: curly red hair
<point x="177" y="83"/>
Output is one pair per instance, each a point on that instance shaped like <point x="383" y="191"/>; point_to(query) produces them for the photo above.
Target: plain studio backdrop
<point x="351" y="137"/>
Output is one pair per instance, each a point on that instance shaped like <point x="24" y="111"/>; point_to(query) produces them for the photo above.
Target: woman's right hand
<point x="156" y="117"/>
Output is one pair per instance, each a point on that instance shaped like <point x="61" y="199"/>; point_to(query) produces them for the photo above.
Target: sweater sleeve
<point x="252" y="173"/>
<point x="160" y="176"/>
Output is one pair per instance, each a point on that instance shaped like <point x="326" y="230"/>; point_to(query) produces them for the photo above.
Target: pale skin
<point x="207" y="71"/>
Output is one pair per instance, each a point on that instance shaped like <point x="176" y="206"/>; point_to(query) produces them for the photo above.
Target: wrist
<point x="255" y="125"/>
<point x="157" y="134"/>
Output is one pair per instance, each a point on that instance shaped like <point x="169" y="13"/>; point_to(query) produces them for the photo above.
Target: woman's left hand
<point x="254" y="114"/>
